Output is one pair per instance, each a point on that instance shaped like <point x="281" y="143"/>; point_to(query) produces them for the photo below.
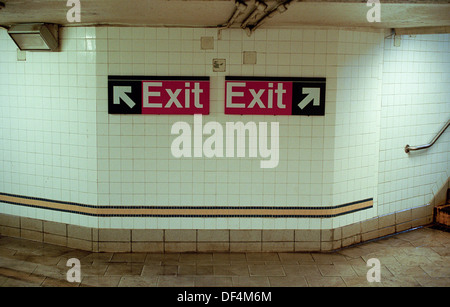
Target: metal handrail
<point x="420" y="147"/>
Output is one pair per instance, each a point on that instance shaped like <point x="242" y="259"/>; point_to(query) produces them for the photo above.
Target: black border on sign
<point x="162" y="78"/>
<point x="285" y="79"/>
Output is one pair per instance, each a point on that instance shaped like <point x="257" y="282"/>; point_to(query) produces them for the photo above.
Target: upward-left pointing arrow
<point x="120" y="92"/>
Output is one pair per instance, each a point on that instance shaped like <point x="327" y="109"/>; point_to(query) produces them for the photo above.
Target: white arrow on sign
<point x="313" y="94"/>
<point x="120" y="92"/>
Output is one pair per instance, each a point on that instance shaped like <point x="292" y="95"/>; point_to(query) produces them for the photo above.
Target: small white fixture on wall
<point x="219" y="65"/>
<point x="249" y="57"/>
<point x="397" y="40"/>
<point x="207" y="43"/>
<point x="21" y="55"/>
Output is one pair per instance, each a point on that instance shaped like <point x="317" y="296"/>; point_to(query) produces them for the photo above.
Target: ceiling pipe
<point x="240" y="8"/>
<point x="422" y="30"/>
<point x="279" y="9"/>
<point x="260" y="7"/>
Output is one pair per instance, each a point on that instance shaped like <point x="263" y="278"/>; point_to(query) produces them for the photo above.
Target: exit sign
<point x="158" y="95"/>
<point x="275" y="96"/>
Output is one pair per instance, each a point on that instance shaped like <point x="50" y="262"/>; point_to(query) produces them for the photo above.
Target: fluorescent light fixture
<point x="35" y="36"/>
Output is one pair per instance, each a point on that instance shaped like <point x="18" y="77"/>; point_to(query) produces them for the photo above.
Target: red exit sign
<point x="158" y="95"/>
<point x="275" y="96"/>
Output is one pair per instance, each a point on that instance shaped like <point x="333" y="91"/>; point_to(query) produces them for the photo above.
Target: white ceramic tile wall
<point x="79" y="153"/>
<point x="415" y="105"/>
<point x="141" y="169"/>
<point x="48" y="144"/>
<point x="135" y="163"/>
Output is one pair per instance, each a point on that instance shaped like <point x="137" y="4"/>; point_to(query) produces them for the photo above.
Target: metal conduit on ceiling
<point x="258" y="15"/>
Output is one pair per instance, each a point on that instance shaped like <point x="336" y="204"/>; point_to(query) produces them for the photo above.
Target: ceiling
<point x="211" y="13"/>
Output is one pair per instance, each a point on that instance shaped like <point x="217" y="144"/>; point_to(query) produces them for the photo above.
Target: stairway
<point x="442" y="213"/>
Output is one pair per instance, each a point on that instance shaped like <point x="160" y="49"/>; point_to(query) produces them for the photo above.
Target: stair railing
<point x="408" y="148"/>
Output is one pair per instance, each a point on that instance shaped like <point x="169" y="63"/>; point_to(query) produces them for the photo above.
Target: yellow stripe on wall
<point x="183" y="211"/>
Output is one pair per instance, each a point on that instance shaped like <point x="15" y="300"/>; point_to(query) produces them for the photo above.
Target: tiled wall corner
<point x="330" y="239"/>
<point x="80" y="237"/>
<point x="55" y="233"/>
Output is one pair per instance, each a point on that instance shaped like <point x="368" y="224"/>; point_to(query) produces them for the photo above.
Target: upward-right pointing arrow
<point x="313" y="95"/>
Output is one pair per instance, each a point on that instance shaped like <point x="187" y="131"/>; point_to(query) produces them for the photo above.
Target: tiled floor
<point x="417" y="258"/>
